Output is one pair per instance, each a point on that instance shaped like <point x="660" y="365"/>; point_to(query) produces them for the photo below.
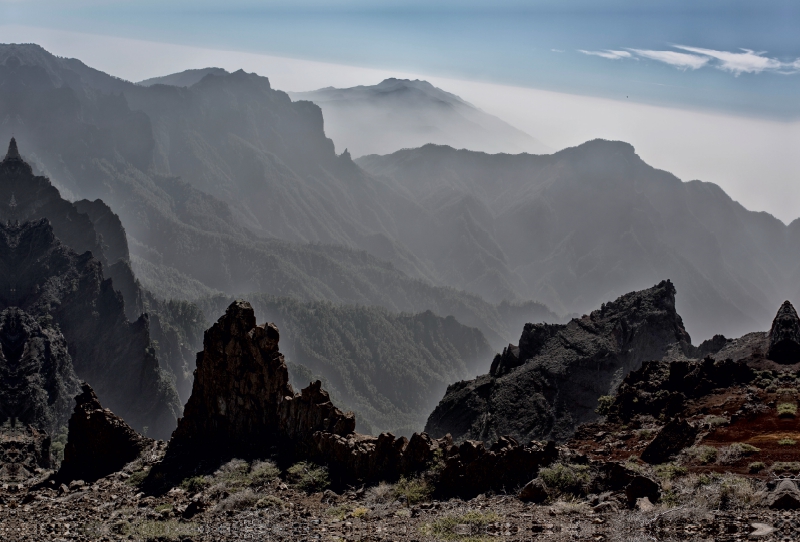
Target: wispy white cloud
<point x="681" y="61"/>
<point x="557" y="50"/>
<point x="737" y="63"/>
<point x="608" y="53"/>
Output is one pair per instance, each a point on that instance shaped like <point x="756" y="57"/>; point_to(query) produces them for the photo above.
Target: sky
<point x="706" y="89"/>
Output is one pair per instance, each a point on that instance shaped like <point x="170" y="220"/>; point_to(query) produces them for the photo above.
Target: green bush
<point x="756" y="466"/>
<point x="787" y="410"/>
<point x="415" y="490"/>
<point x="263" y="472"/>
<point x="137" y="478"/>
<point x="461" y="527"/>
<point x="565" y="478"/>
<point x="195" y="484"/>
<point x="786" y="466"/>
<point x="58" y="444"/>
<point x="787" y="442"/>
<point x="604" y="403"/>
<point x="703" y="454"/>
<point x="669" y="471"/>
<point x="308" y="476"/>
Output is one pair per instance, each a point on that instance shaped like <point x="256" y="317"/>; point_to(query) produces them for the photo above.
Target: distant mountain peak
<point x="13" y="151"/>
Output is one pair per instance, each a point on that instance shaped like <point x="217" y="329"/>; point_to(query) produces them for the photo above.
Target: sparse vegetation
<point x="308" y="476"/>
<point x="728" y="455"/>
<point x="702" y="454"/>
<point x="786" y="466"/>
<point x="238" y="501"/>
<point x="381" y="493"/>
<point x="669" y="471"/>
<point x="787" y="410"/>
<point x="715" y="421"/>
<point x="756" y="466"/>
<point x="58" y="444"/>
<point x="163" y="530"/>
<point x="604" y="403"/>
<point x="138" y="477"/>
<point x="786" y="441"/>
<point x="565" y="478"/>
<point x="413" y="490"/>
<point x="461" y="528"/>
<point x="195" y="484"/>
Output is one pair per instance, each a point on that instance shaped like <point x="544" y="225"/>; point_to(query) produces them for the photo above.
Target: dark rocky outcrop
<point x="242" y="405"/>
<point x="784" y="336"/>
<point x="44" y="278"/>
<point x="99" y="441"/>
<point x="673" y="437"/>
<point x="785" y="496"/>
<point x="551" y="383"/>
<point x="37" y="382"/>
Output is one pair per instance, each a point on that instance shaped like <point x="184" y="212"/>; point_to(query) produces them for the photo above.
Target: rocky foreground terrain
<point x="685" y="450"/>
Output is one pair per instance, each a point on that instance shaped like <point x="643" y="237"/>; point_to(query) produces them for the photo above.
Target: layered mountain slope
<point x="551" y="382"/>
<point x="53" y="284"/>
<point x="400" y="114"/>
<point x="592" y="222"/>
<point x="270" y="170"/>
<point x="45" y="282"/>
<point x="389" y="369"/>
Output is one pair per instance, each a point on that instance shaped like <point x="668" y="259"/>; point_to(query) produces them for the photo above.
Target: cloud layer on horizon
<point x="692" y="58"/>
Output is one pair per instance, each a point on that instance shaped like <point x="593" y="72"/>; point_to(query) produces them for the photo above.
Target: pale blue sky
<point x="723" y="55"/>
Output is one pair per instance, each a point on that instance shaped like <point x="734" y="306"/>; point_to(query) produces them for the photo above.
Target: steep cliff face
<point x="37" y="382"/>
<point x="42" y="277"/>
<point x="551" y="382"/>
<point x="784" y="336"/>
<point x="52" y="287"/>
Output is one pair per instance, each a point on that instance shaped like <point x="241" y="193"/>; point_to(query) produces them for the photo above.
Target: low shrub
<point x="787" y="441"/>
<point x="786" y="466"/>
<point x="728" y="455"/>
<point x="669" y="471"/>
<point x="604" y="403"/>
<point x="414" y="490"/>
<point x="463" y="527"/>
<point x="263" y="472"/>
<point x="238" y="501"/>
<point x="756" y="466"/>
<point x="308" y="476"/>
<point x="195" y="484"/>
<point x="787" y="410"/>
<point x="382" y="493"/>
<point x="268" y="501"/>
<point x="702" y="454"/>
<point x="565" y="478"/>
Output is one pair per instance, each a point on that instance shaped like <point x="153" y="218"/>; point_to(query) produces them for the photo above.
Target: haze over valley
<point x="335" y="296"/>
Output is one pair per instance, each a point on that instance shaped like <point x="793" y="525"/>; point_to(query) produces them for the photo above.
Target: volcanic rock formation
<point x="99" y="442"/>
<point x="551" y="382"/>
<point x="45" y="279"/>
<point x="37" y="382"/>
<point x="242" y="405"/>
<point x="784" y="336"/>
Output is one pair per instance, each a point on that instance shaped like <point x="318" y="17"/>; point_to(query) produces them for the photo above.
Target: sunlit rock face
<point x="784" y="336"/>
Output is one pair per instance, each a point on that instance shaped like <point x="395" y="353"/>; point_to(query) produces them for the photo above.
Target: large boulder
<point x="99" y="442"/>
<point x="676" y="435"/>
<point x="784" y="336"/>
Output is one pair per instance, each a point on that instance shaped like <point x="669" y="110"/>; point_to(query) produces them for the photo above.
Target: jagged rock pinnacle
<point x="13" y="151"/>
<point x="784" y="336"/>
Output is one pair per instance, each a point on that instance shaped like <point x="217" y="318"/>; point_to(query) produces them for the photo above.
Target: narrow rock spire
<point x="13" y="152"/>
<point x="784" y="337"/>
